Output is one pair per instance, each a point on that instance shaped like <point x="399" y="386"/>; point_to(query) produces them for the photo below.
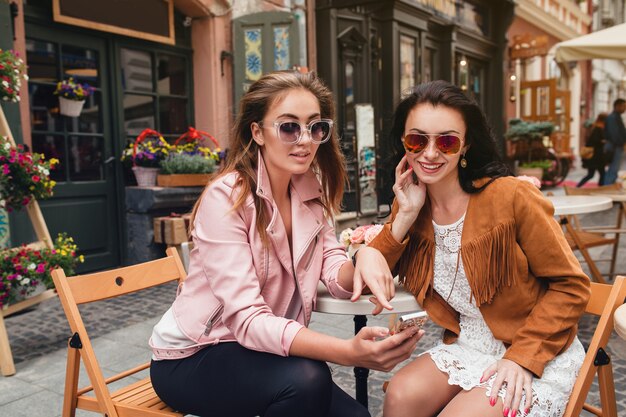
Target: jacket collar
<point x="306" y="185"/>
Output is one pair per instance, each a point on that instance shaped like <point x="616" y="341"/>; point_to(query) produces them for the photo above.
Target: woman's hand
<point x="410" y="197"/>
<point x="372" y="271"/>
<point x="518" y="380"/>
<point x="382" y="355"/>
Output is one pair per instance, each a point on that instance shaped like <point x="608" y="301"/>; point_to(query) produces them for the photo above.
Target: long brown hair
<point x="243" y="151"/>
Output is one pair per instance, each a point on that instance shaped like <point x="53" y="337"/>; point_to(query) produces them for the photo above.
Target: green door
<point x="85" y="203"/>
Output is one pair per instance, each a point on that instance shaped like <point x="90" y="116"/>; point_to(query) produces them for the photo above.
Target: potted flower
<point x="25" y="270"/>
<point x="192" y="159"/>
<point x="186" y="170"/>
<point x="353" y="239"/>
<point x="24" y="176"/>
<point x="526" y="145"/>
<point x="144" y="156"/>
<point x="72" y="96"/>
<point x="12" y="73"/>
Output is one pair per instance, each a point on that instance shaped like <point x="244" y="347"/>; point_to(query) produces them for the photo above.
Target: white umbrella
<point x="608" y="43"/>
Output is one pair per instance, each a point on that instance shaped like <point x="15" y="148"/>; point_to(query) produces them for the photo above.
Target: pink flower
<point x="36" y="178"/>
<point x="358" y="235"/>
<point x="372" y="232"/>
<point x="41" y="268"/>
<point x="533" y="180"/>
<point x="6" y="170"/>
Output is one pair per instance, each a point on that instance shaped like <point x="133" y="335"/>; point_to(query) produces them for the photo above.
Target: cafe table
<point x="402" y="302"/>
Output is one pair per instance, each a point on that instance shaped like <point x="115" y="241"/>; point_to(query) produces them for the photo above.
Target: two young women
<point x="235" y="341"/>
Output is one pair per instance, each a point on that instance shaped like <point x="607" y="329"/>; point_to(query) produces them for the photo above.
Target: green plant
<point x="12" y="72"/>
<point x="23" y="176"/>
<point x="527" y="130"/>
<point x="182" y="163"/>
<point x="23" y="269"/>
<point x="543" y="164"/>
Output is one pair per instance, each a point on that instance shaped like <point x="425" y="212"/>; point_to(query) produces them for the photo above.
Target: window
<point x="155" y="90"/>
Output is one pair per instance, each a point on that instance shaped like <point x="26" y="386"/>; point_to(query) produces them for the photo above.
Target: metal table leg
<point x="361" y="374"/>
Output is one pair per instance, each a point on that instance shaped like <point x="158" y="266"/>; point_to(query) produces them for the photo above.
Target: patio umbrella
<point x="608" y="43"/>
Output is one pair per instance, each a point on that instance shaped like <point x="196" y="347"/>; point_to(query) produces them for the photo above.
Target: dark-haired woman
<point x="235" y="341"/>
<point x="485" y="258"/>
<point x="598" y="161"/>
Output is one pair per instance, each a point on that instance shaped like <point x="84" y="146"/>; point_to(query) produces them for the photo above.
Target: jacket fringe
<point x="489" y="262"/>
<point x="415" y="267"/>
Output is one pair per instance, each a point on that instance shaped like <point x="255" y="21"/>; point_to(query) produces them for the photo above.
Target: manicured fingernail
<point x="482" y="378"/>
<point x="492" y="401"/>
<point x="505" y="413"/>
<point x="527" y="410"/>
<point x="513" y="413"/>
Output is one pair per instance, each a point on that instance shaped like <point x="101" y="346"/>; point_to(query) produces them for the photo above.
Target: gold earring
<point x="463" y="162"/>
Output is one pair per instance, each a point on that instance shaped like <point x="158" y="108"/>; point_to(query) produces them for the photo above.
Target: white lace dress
<point x="476" y="348"/>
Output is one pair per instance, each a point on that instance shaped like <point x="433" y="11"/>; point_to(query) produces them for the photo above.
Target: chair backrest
<point x="604" y="300"/>
<point x="99" y="286"/>
<point x="591" y="191"/>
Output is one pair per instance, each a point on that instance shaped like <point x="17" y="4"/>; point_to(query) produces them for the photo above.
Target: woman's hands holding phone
<point x="383" y="355"/>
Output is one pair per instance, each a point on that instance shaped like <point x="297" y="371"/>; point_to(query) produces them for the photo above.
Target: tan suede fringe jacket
<point x="525" y="279"/>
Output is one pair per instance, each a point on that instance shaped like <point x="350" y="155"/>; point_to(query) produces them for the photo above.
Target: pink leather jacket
<point x="238" y="289"/>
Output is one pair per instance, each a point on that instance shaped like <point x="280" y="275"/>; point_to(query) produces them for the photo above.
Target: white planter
<point x="146" y="177"/>
<point x="71" y="108"/>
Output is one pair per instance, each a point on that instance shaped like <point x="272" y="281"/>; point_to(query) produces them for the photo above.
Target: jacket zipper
<point x="216" y="315"/>
<point x="311" y="254"/>
<point x="295" y="277"/>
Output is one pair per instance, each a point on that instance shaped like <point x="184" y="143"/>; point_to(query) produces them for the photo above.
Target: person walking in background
<point x="235" y="341"/>
<point x="597" y="162"/>
<point x="485" y="258"/>
<point x="615" y="135"/>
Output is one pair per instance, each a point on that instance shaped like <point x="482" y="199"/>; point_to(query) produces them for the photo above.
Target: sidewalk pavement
<point x="120" y="327"/>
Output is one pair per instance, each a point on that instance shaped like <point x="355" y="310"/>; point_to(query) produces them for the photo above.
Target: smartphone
<point x="413" y="319"/>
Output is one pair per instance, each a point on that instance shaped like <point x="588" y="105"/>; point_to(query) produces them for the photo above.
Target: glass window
<point x="136" y="69"/>
<point x="407" y="62"/>
<point x="139" y="114"/>
<point x="52" y="146"/>
<point x="85" y="158"/>
<point x="172" y="77"/>
<point x="173" y="114"/>
<point x="89" y="120"/>
<point x="44" y="107"/>
<point x="80" y="64"/>
<point x="429" y="65"/>
<point x="42" y="61"/>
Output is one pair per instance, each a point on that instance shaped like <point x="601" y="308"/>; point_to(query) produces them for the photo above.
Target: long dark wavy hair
<point x="483" y="158"/>
<point x="242" y="157"/>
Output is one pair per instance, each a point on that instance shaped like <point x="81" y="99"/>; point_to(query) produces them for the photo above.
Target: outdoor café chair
<point x="583" y="238"/>
<point x="137" y="398"/>
<point x="605" y="299"/>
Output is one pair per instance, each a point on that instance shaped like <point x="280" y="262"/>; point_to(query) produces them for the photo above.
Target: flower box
<point x="171" y="230"/>
<point x="183" y="180"/>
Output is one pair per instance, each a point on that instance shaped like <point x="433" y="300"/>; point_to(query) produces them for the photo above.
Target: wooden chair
<point x="605" y="299"/>
<point x="137" y="398"/>
<point x="582" y="238"/>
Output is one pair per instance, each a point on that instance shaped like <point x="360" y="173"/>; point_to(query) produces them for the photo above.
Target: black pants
<point x="230" y="380"/>
<point x="590" y="174"/>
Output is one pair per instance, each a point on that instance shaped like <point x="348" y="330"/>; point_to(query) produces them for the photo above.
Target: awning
<point x="608" y="43"/>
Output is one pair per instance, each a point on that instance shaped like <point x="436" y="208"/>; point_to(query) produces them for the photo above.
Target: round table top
<point x="620" y="321"/>
<point x="578" y="204"/>
<point x="403" y="302"/>
<point x="616" y="196"/>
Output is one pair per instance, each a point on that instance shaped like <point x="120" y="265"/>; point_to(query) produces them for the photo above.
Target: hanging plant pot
<point x="145" y="176"/>
<point x="71" y="108"/>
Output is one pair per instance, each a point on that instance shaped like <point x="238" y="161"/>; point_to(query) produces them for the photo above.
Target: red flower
<point x="36" y="178"/>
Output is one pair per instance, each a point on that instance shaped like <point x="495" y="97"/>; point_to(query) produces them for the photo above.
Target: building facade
<point x="187" y="62"/>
